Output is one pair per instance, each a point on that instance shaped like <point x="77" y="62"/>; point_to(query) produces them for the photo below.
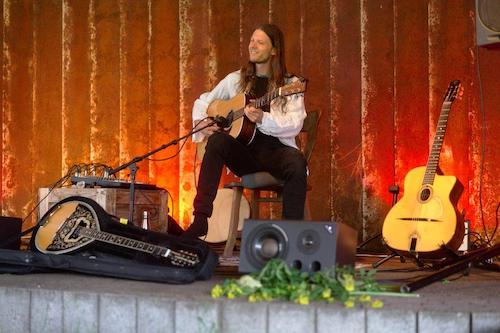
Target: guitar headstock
<point x="295" y="87"/>
<point x="454" y="89"/>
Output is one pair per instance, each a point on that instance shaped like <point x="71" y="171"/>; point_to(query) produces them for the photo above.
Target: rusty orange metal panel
<point x="194" y="79"/>
<point x="47" y="94"/>
<point x="489" y="122"/>
<point x="225" y="38"/>
<point x="411" y="87"/>
<point x="134" y="84"/>
<point x="164" y="95"/>
<point x="345" y="121"/>
<point x="377" y="63"/>
<point x="448" y="58"/>
<point x="17" y="133"/>
<point x="2" y="20"/>
<point x="252" y="14"/>
<point x="287" y="15"/>
<point x="76" y="83"/>
<point x="316" y="68"/>
<point x="105" y="82"/>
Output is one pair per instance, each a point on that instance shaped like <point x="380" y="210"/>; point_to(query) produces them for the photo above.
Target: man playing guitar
<point x="271" y="147"/>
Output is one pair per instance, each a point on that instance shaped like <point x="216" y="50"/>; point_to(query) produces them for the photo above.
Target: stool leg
<point x="255" y="204"/>
<point x="233" y="224"/>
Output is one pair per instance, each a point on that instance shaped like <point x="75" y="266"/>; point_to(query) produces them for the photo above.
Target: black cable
<point x="369" y="240"/>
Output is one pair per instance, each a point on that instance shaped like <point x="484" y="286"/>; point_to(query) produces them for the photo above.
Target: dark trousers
<point x="281" y="161"/>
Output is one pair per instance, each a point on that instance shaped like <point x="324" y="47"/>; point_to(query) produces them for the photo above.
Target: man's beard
<point x="260" y="61"/>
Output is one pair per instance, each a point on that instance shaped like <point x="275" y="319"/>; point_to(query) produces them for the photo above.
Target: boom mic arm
<point x="224" y="122"/>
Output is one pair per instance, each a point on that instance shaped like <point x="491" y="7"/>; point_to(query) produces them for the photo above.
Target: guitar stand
<point x="387" y="258"/>
<point x="394" y="190"/>
<point x="462" y="263"/>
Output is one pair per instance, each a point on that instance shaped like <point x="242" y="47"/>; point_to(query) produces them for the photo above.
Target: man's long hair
<point x="278" y="66"/>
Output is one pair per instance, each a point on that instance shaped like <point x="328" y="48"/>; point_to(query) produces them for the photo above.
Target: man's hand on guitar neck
<point x="255" y="115"/>
<point x="209" y="130"/>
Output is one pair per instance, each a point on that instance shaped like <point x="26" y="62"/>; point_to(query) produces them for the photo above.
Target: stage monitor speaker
<point x="10" y="231"/>
<point x="309" y="246"/>
<point x="488" y="22"/>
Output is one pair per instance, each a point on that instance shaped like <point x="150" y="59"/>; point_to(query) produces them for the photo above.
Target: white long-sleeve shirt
<point x="282" y="121"/>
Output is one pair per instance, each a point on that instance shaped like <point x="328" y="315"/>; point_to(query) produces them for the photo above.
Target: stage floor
<point x="475" y="295"/>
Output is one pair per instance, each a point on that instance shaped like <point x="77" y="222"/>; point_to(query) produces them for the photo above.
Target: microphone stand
<point x="132" y="164"/>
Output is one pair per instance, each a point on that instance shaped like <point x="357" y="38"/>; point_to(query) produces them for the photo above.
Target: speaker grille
<point x="489" y="14"/>
<point x="266" y="243"/>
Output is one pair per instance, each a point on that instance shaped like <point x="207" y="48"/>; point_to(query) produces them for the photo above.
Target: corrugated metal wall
<point x="107" y="80"/>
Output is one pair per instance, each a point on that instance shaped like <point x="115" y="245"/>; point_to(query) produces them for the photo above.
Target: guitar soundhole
<point x="425" y="194"/>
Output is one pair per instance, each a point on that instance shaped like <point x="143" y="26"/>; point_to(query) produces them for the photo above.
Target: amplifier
<point x="10" y="229"/>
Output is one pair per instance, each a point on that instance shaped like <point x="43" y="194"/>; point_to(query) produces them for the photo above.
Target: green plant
<point x="277" y="281"/>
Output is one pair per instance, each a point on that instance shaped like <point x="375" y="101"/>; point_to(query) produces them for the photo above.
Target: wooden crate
<point x="116" y="202"/>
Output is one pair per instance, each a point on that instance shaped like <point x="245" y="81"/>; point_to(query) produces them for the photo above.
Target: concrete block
<point x="155" y="315"/>
<point x="197" y="317"/>
<point x="239" y="317"/>
<point x="14" y="310"/>
<point x="46" y="311"/>
<point x="339" y="319"/>
<point x="443" y="322"/>
<point x="80" y="312"/>
<point x="381" y="320"/>
<point x="117" y="313"/>
<point x="486" y="322"/>
<point x="291" y="318"/>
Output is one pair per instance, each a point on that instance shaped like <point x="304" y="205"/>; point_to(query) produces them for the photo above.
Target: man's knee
<point x="296" y="166"/>
<point x="218" y="142"/>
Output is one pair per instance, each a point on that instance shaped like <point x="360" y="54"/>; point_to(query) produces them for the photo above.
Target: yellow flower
<point x="217" y="291"/>
<point x="377" y="304"/>
<point x="365" y="298"/>
<point x="252" y="298"/>
<point x="327" y="293"/>
<point x="266" y="296"/>
<point x="347" y="281"/>
<point x="349" y="285"/>
<point x="302" y="299"/>
<point x="230" y="295"/>
<point x="349" y="303"/>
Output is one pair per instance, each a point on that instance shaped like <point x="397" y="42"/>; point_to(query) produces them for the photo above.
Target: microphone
<point x="223" y="122"/>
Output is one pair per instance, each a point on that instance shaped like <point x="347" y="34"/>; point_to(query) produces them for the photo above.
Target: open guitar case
<point x="103" y="259"/>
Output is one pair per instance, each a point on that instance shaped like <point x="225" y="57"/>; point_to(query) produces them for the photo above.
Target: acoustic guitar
<point x="71" y="225"/>
<point x="425" y="222"/>
<point x="232" y="110"/>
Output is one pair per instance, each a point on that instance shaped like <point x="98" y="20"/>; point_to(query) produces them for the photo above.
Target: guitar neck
<point x="125" y="242"/>
<point x="433" y="162"/>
